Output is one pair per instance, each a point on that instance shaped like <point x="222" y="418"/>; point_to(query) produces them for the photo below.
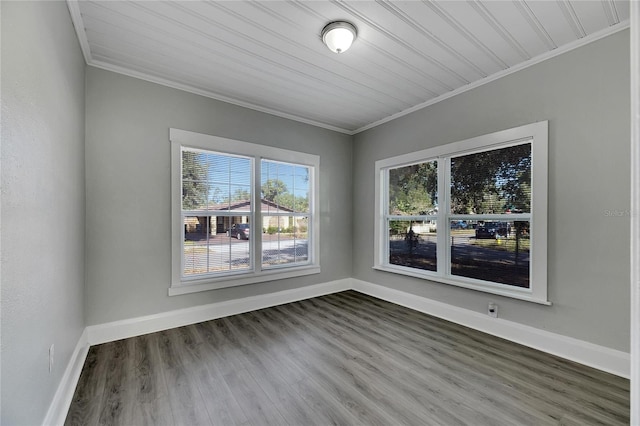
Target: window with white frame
<point x="471" y="213"/>
<point x="241" y="213"/>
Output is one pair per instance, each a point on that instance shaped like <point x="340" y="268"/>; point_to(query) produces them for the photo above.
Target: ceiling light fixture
<point x="339" y="35"/>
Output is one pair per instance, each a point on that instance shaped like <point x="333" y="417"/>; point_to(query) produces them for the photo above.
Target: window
<point x="471" y="213"/>
<point x="242" y="213"/>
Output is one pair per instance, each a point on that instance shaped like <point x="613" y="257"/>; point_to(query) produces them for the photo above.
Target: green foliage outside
<point x="483" y="183"/>
<point x="289" y="201"/>
<point x="398" y="227"/>
<point x="195" y="191"/>
<point x="271" y="230"/>
<point x="272" y="188"/>
<point x="515" y="244"/>
<point x="238" y="195"/>
<point x="492" y="182"/>
<point x="413" y="190"/>
<point x="276" y="191"/>
<point x="194" y="178"/>
<point x="274" y="230"/>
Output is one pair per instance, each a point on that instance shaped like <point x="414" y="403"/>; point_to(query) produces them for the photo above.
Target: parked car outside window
<point x="240" y="231"/>
<point x="493" y="230"/>
<point x="458" y="224"/>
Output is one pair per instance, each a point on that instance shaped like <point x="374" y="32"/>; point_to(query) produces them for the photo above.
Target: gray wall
<point x="42" y="235"/>
<point x="128" y="191"/>
<point x="585" y="96"/>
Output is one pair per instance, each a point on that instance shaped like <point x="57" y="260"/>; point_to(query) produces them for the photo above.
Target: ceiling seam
<point x="453" y="23"/>
<point x="535" y="24"/>
<point x="427" y="34"/>
<point x="362" y="40"/>
<point x="258" y="5"/>
<point x="533" y="61"/>
<point x="377" y="65"/>
<point x="572" y="18"/>
<point x="78" y="24"/>
<point x="610" y="11"/>
<point x="398" y="41"/>
<point x="482" y="10"/>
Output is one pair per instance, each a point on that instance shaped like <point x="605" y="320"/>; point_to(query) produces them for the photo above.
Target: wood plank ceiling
<point x="268" y="55"/>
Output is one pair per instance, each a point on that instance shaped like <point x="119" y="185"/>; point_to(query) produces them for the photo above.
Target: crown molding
<point x="76" y="17"/>
<point x="531" y="62"/>
<point x="212" y="95"/>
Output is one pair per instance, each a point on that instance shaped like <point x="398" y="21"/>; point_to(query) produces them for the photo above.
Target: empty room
<point x="320" y="212"/>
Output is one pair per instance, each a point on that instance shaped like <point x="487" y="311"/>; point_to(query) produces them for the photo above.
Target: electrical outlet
<point x="51" y="348"/>
<point x="493" y="310"/>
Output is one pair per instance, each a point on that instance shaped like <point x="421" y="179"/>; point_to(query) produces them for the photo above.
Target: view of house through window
<point x="285" y="213"/>
<point x="216" y="206"/>
<point x="243" y="214"/>
<point x="217" y="210"/>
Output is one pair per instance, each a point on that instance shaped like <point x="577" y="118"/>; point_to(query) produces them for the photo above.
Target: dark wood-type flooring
<point x="345" y="359"/>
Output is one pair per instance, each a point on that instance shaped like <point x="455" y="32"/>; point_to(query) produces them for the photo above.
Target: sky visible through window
<point x="243" y="209"/>
<point x="211" y="179"/>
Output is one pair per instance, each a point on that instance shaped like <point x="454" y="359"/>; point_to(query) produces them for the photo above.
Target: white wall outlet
<point x="51" y="348"/>
<point x="493" y="310"/>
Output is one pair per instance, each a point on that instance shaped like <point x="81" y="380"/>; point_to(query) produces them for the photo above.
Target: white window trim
<point x="538" y="134"/>
<point x="183" y="285"/>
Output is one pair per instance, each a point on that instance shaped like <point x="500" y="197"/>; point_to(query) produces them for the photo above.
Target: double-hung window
<point x="241" y="213"/>
<point x="471" y="213"/>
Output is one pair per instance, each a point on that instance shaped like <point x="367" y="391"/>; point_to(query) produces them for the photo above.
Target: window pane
<point x="490" y="182"/>
<point x="285" y="187"/>
<point x="285" y="240"/>
<point x="195" y="188"/>
<point x="196" y="245"/>
<point x="413" y="244"/>
<point x="496" y="251"/>
<point x="216" y="244"/>
<point x="213" y="181"/>
<point x="413" y="190"/>
<point x="301" y="189"/>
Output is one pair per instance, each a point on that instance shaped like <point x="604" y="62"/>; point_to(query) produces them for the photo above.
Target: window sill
<point x="515" y="293"/>
<point x="209" y="283"/>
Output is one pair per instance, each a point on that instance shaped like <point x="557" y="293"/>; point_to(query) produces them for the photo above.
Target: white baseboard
<point x="117" y="330"/>
<point x="123" y="329"/>
<point x="59" y="407"/>
<point x="600" y="357"/>
<point x="592" y="355"/>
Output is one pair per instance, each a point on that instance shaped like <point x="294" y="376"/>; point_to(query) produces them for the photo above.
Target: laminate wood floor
<point x="345" y="359"/>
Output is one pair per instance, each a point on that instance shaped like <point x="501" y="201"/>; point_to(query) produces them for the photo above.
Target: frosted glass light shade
<point x="338" y="36"/>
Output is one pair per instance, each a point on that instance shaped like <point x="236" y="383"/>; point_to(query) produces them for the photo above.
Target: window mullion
<point x="383" y="214"/>
<point x="386" y="255"/>
<point x="182" y="237"/>
<point x="208" y="231"/>
<point x="444" y="190"/>
<point x="256" y="216"/>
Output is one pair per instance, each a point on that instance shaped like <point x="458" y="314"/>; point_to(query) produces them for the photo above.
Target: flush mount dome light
<point x="339" y="35"/>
